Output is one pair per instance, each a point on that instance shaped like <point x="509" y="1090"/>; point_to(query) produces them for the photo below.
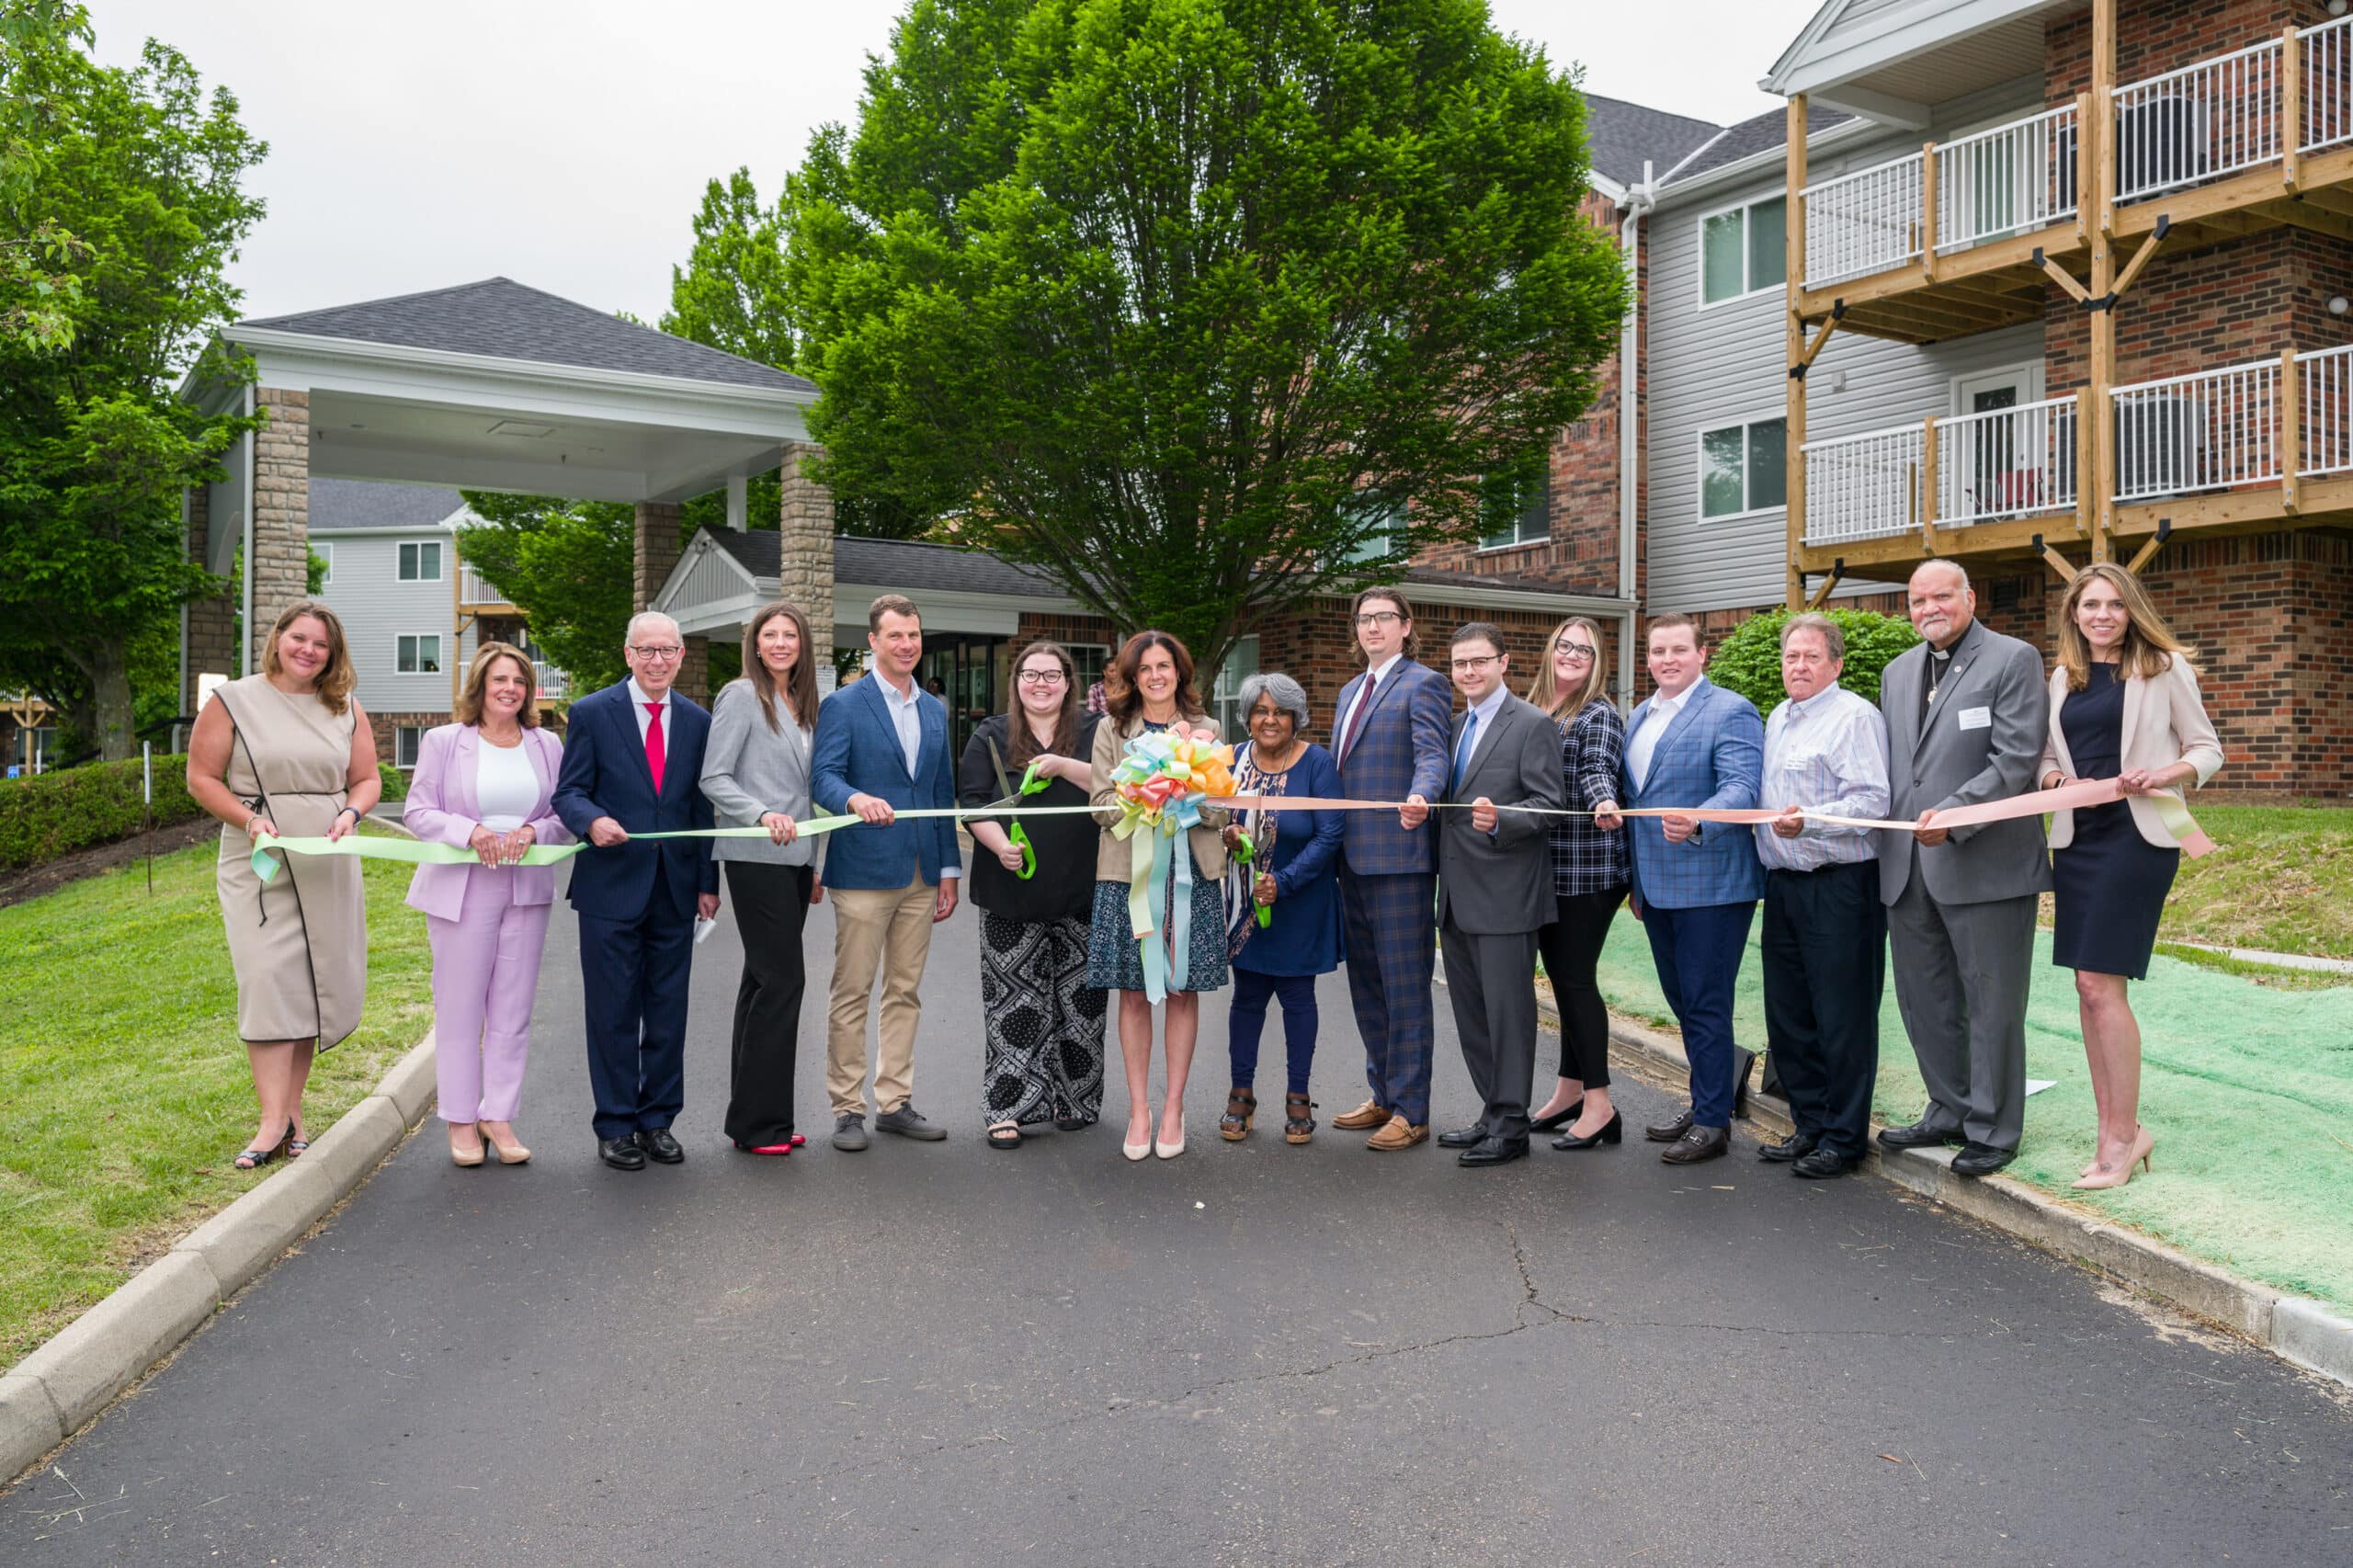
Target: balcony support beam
<point x="2140" y="259"/>
<point x="2064" y="279"/>
<point x="2291" y="110"/>
<point x="2056" y="561"/>
<point x="1829" y="583"/>
<point x="2156" y="541"/>
<point x="2101" y="478"/>
<point x="1795" y="352"/>
<point x="1929" y="492"/>
<point x="2292" y="430"/>
<point x="1928" y="210"/>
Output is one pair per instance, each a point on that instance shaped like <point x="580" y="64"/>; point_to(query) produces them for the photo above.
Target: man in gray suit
<point x="1965" y="715"/>
<point x="1494" y="888"/>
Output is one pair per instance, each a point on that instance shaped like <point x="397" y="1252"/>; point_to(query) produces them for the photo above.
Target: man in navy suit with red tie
<point x="632" y="762"/>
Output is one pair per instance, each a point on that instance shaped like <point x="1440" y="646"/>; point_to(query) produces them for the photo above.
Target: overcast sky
<point x="565" y="143"/>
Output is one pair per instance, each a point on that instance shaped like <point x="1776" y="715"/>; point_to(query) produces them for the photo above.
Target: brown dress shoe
<point x="1698" y="1143"/>
<point x="1398" y="1133"/>
<point x="1668" y="1132"/>
<point x="1369" y="1114"/>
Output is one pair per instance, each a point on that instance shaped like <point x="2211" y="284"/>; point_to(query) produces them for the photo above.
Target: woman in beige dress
<point x="288" y="753"/>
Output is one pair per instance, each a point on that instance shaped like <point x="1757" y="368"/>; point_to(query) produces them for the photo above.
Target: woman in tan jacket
<point x="2124" y="705"/>
<point x="1150" y="687"/>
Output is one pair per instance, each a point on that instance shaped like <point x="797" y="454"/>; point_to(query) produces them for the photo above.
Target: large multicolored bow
<point x="1160" y="781"/>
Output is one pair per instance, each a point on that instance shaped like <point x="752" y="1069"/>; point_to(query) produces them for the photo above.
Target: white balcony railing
<point x="478" y="590"/>
<point x="2325" y="411"/>
<point x="2208" y="430"/>
<point x="1864" y="486"/>
<point x="2011" y="179"/>
<point x="553" y="682"/>
<point x="1863" y="222"/>
<point x="2328" y="84"/>
<point x="2209" y="118"/>
<point x="2010" y="462"/>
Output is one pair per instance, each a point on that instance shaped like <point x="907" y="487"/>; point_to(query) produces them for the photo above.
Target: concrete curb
<point x="2306" y="1332"/>
<point x="48" y="1395"/>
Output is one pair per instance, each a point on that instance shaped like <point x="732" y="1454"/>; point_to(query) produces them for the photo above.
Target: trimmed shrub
<point x="55" y="813"/>
<point x="1749" y="661"/>
<point x="395" y="782"/>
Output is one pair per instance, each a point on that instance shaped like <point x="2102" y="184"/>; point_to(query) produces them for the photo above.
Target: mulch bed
<point x="34" y="881"/>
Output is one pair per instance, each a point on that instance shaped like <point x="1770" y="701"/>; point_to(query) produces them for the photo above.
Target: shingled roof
<point x="1619" y="136"/>
<point x="907" y="565"/>
<point x="338" y="504"/>
<point x="1750" y="137"/>
<point x="503" y="319"/>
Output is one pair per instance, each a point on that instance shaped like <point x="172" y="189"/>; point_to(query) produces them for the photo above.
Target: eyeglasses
<point x="1373" y="618"/>
<point x="658" y="651"/>
<point x="1464" y="664"/>
<point x="1578" y="653"/>
<point x="1042" y="677"/>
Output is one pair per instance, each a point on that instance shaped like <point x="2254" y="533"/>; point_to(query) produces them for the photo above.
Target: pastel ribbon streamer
<point x="1161" y="781"/>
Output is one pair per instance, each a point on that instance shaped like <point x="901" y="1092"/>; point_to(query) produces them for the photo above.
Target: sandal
<point x="1241" y="1110"/>
<point x="254" y="1159"/>
<point x="1074" y="1123"/>
<point x="1004" y="1135"/>
<point x="1297" y="1126"/>
<point x="295" y="1141"/>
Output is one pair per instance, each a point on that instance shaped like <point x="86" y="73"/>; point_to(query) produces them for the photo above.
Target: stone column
<point x="210" y="645"/>
<point x="693" y="678"/>
<point x="280" y="567"/>
<point x="657" y="549"/>
<point x="805" y="550"/>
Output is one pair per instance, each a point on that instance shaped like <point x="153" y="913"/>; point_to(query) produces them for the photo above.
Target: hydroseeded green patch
<point x="2247" y="1087"/>
<point x="128" y="1091"/>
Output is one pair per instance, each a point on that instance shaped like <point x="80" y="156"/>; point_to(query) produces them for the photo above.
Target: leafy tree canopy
<point x="38" y="44"/>
<point x="1184" y="301"/>
<point x="1749" y="661"/>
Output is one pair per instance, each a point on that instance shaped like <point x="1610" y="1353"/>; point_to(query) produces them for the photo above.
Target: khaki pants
<point x="876" y="928"/>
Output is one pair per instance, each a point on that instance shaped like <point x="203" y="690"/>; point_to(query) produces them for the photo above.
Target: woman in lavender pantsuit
<point x="483" y="784"/>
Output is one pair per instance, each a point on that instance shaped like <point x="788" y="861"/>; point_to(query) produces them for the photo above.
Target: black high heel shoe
<point x="1558" y="1120"/>
<point x="1612" y="1132"/>
<point x="254" y="1159"/>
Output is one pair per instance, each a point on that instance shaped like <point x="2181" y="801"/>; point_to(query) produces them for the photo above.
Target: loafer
<point x="1668" y="1132"/>
<point x="1398" y="1133"/>
<point x="1981" y="1160"/>
<point x="908" y="1122"/>
<point x="1493" y="1152"/>
<point x="660" y="1146"/>
<point x="849" y="1133"/>
<point x="1460" y="1137"/>
<point x="621" y="1153"/>
<point x="1697" y="1145"/>
<point x="1816" y="1164"/>
<point x="1796" y="1146"/>
<point x="1370" y="1114"/>
<point x="1919" y="1135"/>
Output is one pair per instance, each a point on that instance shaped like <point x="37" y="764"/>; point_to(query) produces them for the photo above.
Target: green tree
<point x="568" y="565"/>
<point x="1183" y="302"/>
<point x="1749" y="661"/>
<point x="95" y="449"/>
<point x="730" y="294"/>
<point x="39" y="42"/>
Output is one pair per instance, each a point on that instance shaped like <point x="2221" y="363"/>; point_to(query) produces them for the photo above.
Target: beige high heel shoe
<point x="507" y="1152"/>
<point x="1139" y="1151"/>
<point x="2143" y="1144"/>
<point x="468" y="1158"/>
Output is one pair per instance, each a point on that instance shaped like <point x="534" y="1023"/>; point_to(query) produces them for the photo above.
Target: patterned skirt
<point x="1114" y="957"/>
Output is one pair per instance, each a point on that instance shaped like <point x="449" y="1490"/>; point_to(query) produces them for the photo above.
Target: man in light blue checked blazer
<point x="1693" y="744"/>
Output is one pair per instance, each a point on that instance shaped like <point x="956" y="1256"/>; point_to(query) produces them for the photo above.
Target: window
<point x="1740" y="251"/>
<point x="326" y="552"/>
<point x="1225" y="697"/>
<point x="1381" y="544"/>
<point x="421" y="561"/>
<point x="1515" y="504"/>
<point x="420" y="656"/>
<point x="405" y="744"/>
<point x="1742" y="467"/>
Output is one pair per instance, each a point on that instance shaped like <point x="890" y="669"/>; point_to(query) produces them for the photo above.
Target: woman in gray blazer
<point x="2124" y="705"/>
<point x="756" y="771"/>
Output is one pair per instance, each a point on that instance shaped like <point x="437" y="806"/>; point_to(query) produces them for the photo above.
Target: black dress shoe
<point x="1796" y="1146"/>
<point x="1558" y="1120"/>
<point x="1818" y="1163"/>
<point x="1668" y="1132"/>
<point x="1980" y="1159"/>
<point x="1698" y="1143"/>
<point x="659" y="1146"/>
<point x="621" y="1153"/>
<point x="1611" y="1131"/>
<point x="1493" y="1152"/>
<point x="1919" y="1135"/>
<point x="1462" y="1137"/>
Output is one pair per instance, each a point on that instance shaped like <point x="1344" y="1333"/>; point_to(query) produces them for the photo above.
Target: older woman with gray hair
<point x="1286" y="929"/>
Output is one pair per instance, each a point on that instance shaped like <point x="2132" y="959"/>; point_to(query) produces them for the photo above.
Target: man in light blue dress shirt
<point x="1825" y="930"/>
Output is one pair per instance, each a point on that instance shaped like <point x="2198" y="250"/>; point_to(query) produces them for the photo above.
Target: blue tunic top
<point x="1304" y="935"/>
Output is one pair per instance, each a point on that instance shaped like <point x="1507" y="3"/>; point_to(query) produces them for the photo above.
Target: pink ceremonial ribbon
<point x="2083" y="792"/>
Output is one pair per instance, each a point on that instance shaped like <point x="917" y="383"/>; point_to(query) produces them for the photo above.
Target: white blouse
<point x="505" y="786"/>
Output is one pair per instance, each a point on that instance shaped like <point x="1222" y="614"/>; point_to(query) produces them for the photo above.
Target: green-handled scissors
<point x="1031" y="785"/>
<point x="1243" y="850"/>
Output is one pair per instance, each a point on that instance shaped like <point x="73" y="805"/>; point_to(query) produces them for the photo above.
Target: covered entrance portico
<point x="490" y="386"/>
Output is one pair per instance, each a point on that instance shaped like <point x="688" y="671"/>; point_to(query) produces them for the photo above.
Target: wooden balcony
<point x="1951" y="240"/>
<point x="477" y="596"/>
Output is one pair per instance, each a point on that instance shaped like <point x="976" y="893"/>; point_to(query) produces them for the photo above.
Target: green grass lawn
<point x="127" y="1092"/>
<point x="2280" y="881"/>
<point x="2247" y="1086"/>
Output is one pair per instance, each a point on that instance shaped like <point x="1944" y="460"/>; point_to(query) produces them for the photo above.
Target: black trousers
<point x="771" y="907"/>
<point x="1570" y="944"/>
<point x="1826" y="964"/>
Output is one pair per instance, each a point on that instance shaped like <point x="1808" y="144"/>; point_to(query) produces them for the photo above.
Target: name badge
<point x="1977" y="717"/>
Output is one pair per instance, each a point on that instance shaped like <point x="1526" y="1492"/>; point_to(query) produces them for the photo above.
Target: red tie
<point x="654" y="752"/>
<point x="1355" y="719"/>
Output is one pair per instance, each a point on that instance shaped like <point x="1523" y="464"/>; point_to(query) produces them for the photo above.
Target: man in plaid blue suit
<point x="1694" y="744"/>
<point x="1390" y="736"/>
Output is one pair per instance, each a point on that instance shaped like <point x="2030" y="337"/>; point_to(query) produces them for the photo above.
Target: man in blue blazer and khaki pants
<point x="632" y="762"/>
<point x="1694" y="744"/>
<point x="882" y="743"/>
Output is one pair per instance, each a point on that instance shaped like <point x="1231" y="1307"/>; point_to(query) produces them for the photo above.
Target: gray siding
<point x="377" y="609"/>
<point x="1723" y="365"/>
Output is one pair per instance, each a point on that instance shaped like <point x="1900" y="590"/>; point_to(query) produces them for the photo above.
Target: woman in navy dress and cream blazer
<point x="2124" y="705"/>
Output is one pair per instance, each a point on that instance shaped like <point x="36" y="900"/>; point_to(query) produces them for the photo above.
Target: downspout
<point x="1639" y="200"/>
<point x="246" y="622"/>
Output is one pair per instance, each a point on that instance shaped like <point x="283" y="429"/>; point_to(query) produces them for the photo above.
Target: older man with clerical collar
<point x="1824" y="939"/>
